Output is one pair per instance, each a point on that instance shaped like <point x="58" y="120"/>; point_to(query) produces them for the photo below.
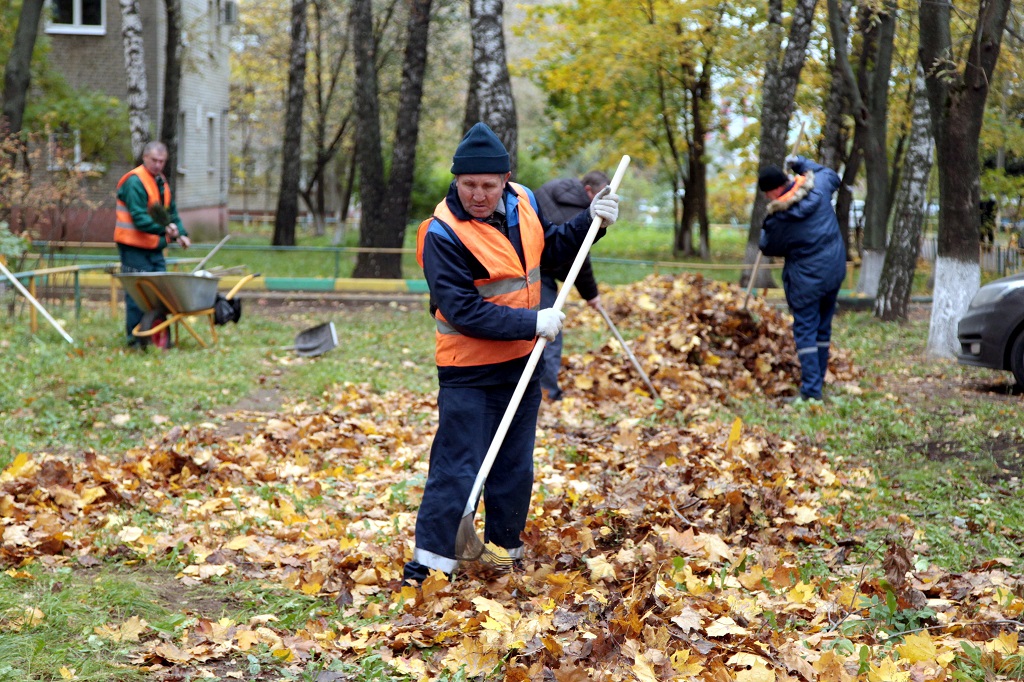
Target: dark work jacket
<point x="560" y="201"/>
<point x="801" y="227"/>
<point x="450" y="270"/>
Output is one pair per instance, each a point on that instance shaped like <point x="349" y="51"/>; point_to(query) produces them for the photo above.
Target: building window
<point x="64" y="152"/>
<point x="83" y="17"/>
<point x="211" y="142"/>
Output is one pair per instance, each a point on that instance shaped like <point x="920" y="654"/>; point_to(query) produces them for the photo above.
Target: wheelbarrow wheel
<point x="152" y="318"/>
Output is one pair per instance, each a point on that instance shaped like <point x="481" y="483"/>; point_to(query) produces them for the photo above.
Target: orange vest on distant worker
<point x="125" y="231"/>
<point x="509" y="282"/>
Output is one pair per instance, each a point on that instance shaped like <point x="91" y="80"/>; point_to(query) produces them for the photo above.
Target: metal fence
<point x="1001" y="259"/>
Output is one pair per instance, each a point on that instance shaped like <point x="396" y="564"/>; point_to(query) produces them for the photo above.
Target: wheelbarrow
<point x="168" y="299"/>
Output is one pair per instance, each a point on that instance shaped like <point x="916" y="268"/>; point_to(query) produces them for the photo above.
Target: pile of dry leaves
<point x="658" y="548"/>
<point x="697" y="343"/>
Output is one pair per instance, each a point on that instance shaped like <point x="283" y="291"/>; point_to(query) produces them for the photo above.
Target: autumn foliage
<point x="660" y="546"/>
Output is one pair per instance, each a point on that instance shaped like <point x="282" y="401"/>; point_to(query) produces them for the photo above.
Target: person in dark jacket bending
<point x="560" y="201"/>
<point x="801" y="227"/>
<point x="481" y="254"/>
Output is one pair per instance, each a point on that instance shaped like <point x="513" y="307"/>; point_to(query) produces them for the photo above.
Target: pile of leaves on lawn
<point x="659" y="547"/>
<point x="696" y="343"/>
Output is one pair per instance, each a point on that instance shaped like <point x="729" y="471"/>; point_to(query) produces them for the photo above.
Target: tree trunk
<point x="172" y="90"/>
<point x="957" y="102"/>
<point x="391" y="209"/>
<point x="896" y="282"/>
<point x="18" y="72"/>
<point x="781" y="76"/>
<point x="135" y="70"/>
<point x="869" y="91"/>
<point x="291" y="147"/>
<point x="490" y="89"/>
<point x="834" y="135"/>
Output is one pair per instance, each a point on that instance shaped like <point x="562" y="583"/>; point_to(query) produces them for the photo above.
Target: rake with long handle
<point x="468" y="546"/>
<point x="757" y="261"/>
<point x="629" y="353"/>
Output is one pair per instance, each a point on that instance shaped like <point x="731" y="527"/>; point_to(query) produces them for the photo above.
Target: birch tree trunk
<point x="291" y="146"/>
<point x="172" y="90"/>
<point x="956" y="96"/>
<point x="781" y="76"/>
<point x="18" y="72"/>
<point x="135" y="70"/>
<point x="896" y="282"/>
<point x="490" y="88"/>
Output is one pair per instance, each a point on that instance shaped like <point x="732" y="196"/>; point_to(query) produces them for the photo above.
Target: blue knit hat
<point x="480" y="152"/>
<point x="771" y="178"/>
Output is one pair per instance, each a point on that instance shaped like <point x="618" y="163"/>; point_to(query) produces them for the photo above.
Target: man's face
<point x="481" y="193"/>
<point x="592" y="191"/>
<point x="154" y="161"/>
<point x="774" y="194"/>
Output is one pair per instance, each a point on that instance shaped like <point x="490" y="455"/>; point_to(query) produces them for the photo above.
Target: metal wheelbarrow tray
<point x="179" y="295"/>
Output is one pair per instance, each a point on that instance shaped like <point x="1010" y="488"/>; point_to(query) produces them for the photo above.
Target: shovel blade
<point x="468" y="546"/>
<point x="316" y="340"/>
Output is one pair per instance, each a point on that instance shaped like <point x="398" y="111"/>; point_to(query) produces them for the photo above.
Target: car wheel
<point x="150" y="319"/>
<point x="1017" y="359"/>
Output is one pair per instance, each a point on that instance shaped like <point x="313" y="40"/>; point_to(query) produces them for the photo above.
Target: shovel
<point x="468" y="546"/>
<point x="315" y="340"/>
<point x="625" y="347"/>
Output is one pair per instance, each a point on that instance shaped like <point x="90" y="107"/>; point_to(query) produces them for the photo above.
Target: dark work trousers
<point x="469" y="417"/>
<point x="137" y="260"/>
<point x="812" y="332"/>
<point x="551" y="358"/>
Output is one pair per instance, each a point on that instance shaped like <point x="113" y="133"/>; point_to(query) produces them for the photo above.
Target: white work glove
<point x="549" y="323"/>
<point x="605" y="206"/>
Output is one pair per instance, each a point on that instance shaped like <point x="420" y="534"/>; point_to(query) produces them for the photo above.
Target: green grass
<point x="948" y="461"/>
<point x="67" y="398"/>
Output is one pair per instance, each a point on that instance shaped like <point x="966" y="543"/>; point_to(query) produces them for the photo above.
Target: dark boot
<point x="810" y="373"/>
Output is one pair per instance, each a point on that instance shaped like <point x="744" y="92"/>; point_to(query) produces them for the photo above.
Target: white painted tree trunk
<point x="956" y="282"/>
<point x="135" y="70"/>
<point x="870" y="272"/>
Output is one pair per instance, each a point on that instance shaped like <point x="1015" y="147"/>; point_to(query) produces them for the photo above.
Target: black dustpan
<point x="315" y="340"/>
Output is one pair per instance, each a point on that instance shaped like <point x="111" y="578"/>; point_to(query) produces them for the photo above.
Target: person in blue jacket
<point x="561" y="200"/>
<point x="801" y="227"/>
<point x="482" y="253"/>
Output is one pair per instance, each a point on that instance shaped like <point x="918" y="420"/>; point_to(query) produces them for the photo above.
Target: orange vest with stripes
<point x="125" y="231"/>
<point x="509" y="283"/>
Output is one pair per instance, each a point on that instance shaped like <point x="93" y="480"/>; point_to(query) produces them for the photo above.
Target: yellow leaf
<point x="802" y="515"/>
<point x="725" y="626"/>
<point x="682" y="664"/>
<point x="643" y="669"/>
<point x="584" y="382"/>
<point x="285" y="654"/>
<point x="246" y="638"/>
<point x="129" y="534"/>
<point x="239" y="542"/>
<point x="917" y="648"/>
<point x="67" y="673"/>
<point x="734" y="434"/>
<point x="800" y="593"/>
<point x="21" y="466"/>
<point x="887" y="671"/>
<point x="751" y="668"/>
<point x="600" y="569"/>
<point x="1006" y="643"/>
